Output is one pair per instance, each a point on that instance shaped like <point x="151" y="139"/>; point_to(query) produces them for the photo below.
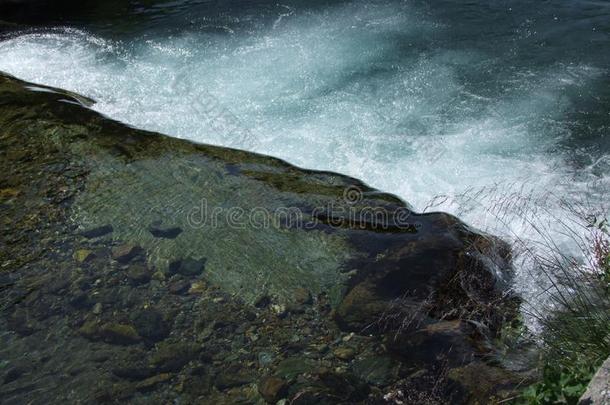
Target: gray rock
<point x="598" y="391"/>
<point x="376" y="370"/>
<point x="139" y="274"/>
<point x="232" y="378"/>
<point x="173" y="356"/>
<point x="97" y="231"/>
<point x="294" y="366"/>
<point x="125" y="253"/>
<point x="160" y="231"/>
<point x="187" y="267"/>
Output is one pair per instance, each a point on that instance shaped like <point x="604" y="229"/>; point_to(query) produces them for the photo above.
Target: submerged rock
<point x="124" y="253"/>
<point x="187" y="267"/>
<point x="286" y="262"/>
<point x="151" y="382"/>
<point x="272" y="389"/>
<point x="114" y="333"/>
<point x="158" y="230"/>
<point x="232" y="378"/>
<point x="139" y="274"/>
<point x="173" y="356"/>
<point x="344" y="353"/>
<point x="376" y="370"/>
<point x="97" y="231"/>
<point x="179" y="287"/>
<point x="302" y="296"/>
<point x="294" y="366"/>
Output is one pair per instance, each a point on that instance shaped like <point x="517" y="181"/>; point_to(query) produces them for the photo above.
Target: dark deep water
<point x="492" y="99"/>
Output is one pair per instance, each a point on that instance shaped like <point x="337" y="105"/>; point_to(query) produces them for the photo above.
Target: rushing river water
<point x="501" y="108"/>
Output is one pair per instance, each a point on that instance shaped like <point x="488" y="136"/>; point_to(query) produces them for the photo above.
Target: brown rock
<point x="344" y="353"/>
<point x="151" y="382"/>
<point x="272" y="389"/>
<point x="119" y="333"/>
<point x="114" y="333"/>
<point x="173" y="356"/>
<point x="302" y="296"/>
<point x="124" y="253"/>
<point x="179" y="287"/>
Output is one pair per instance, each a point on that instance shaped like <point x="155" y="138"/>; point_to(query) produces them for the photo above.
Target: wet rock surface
<point x="598" y="390"/>
<point x="99" y="306"/>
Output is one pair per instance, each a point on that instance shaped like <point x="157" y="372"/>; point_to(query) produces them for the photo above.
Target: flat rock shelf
<point x="139" y="267"/>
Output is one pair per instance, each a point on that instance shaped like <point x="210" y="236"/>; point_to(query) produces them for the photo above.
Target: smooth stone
<point x="139" y="274"/>
<point x="376" y="370"/>
<point x="125" y="253"/>
<point x="119" y="334"/>
<point x="360" y="308"/>
<point x="232" y="378"/>
<point x="172" y="356"/>
<point x="134" y="372"/>
<point x="168" y="232"/>
<point x="113" y="333"/>
<point x="187" y="267"/>
<point x="344" y="386"/>
<point x="344" y="353"/>
<point x="150" y="383"/>
<point x="292" y="367"/>
<point x="272" y="389"/>
<point x="97" y="231"/>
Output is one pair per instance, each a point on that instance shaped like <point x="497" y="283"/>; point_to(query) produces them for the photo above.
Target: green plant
<point x="576" y="337"/>
<point x="559" y="385"/>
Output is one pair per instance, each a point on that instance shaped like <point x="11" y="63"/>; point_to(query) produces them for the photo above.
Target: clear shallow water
<point x="501" y="108"/>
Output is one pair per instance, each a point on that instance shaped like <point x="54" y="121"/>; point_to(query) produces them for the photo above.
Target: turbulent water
<point x="498" y="111"/>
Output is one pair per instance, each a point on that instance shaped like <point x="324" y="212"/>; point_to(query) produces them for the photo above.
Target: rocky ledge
<point x="135" y="266"/>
